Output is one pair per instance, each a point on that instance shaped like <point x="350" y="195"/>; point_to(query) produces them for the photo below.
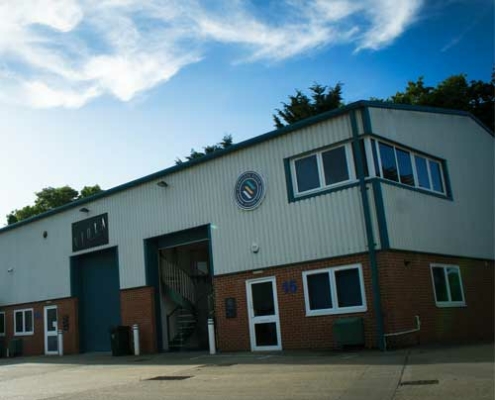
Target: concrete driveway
<point x="461" y="372"/>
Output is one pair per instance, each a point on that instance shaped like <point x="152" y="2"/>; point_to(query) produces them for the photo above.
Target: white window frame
<point x="321" y="174"/>
<point x="412" y="155"/>
<point x="23" y="332"/>
<point x="448" y="303"/>
<point x="4" y="324"/>
<point x="333" y="291"/>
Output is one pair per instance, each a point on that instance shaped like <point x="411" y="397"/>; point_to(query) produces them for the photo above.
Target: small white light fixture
<point x="255" y="248"/>
<point x="162" y="184"/>
<point x="10" y="270"/>
<point x="84" y="210"/>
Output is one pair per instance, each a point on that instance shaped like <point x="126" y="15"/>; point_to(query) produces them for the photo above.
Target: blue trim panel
<point x="240" y="146"/>
<point x="366" y="117"/>
<point x="375" y="282"/>
<point x="210" y="252"/>
<point x="380" y="214"/>
<point x="152" y="279"/>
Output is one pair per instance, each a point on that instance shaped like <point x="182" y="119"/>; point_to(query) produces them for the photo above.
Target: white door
<point x="264" y="323"/>
<point x="51" y="328"/>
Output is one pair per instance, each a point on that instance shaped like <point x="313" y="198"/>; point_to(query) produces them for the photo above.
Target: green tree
<point x="49" y="198"/>
<point x="301" y="106"/>
<point x="455" y="92"/>
<point x="226" y="141"/>
<point x="87" y="191"/>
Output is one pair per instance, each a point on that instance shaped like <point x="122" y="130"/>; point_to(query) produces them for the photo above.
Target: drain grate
<point x="169" y="378"/>
<point x="421" y="382"/>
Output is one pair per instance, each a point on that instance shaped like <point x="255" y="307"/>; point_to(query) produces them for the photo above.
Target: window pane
<point x="422" y="172"/>
<point x="348" y="288"/>
<point x="405" y="167"/>
<point x="263" y="303"/>
<point x="266" y="334"/>
<point x="319" y="291"/>
<point x="440" y="284"/>
<point x="18" y="322"/>
<point x="28" y="321"/>
<point x="436" y="176"/>
<point x="2" y="324"/>
<point x="335" y="166"/>
<point x="375" y="157"/>
<point x="389" y="167"/>
<point x="307" y="174"/>
<point x="454" y="284"/>
<point x="52" y="343"/>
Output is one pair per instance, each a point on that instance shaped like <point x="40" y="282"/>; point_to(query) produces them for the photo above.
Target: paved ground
<point x="463" y="372"/>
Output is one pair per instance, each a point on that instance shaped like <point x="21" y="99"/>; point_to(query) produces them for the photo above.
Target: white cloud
<point x="63" y="53"/>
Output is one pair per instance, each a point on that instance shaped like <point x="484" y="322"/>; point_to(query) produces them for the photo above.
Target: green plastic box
<point x="348" y="332"/>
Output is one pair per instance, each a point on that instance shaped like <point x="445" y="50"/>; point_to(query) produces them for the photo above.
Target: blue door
<point x="96" y="284"/>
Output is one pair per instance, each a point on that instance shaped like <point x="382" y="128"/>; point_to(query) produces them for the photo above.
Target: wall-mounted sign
<point x="90" y="232"/>
<point x="249" y="190"/>
<point x="230" y="308"/>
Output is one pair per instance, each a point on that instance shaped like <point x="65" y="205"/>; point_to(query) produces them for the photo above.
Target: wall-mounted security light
<point x="10" y="270"/>
<point x="84" y="210"/>
<point x="162" y="184"/>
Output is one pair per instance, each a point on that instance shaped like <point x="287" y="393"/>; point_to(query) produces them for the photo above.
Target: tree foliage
<point x="300" y="106"/>
<point x="455" y="92"/>
<point x="226" y="141"/>
<point x="49" y="198"/>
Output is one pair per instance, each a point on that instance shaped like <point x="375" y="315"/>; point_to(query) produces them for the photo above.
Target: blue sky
<point x="108" y="91"/>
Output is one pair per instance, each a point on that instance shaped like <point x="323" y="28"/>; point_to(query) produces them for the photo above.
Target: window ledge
<point x="451" y="305"/>
<point x="24" y="334"/>
<point x="350" y="310"/>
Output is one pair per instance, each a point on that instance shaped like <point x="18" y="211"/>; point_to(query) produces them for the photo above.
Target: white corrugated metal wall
<point x="419" y="222"/>
<point x="315" y="228"/>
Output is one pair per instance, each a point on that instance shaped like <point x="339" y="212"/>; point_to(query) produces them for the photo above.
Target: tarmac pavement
<point x="460" y="372"/>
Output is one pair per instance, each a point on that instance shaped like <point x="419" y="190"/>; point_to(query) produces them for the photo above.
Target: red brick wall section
<point x="407" y="290"/>
<point x="138" y="307"/>
<point x="297" y="330"/>
<point x="35" y="344"/>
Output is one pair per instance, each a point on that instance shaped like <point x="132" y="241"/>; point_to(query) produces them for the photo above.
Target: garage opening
<point x="182" y="276"/>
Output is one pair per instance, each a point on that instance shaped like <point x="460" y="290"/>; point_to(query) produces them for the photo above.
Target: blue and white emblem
<point x="249" y="190"/>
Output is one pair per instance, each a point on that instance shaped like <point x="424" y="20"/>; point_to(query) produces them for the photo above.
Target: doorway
<point x="51" y="330"/>
<point x="264" y="322"/>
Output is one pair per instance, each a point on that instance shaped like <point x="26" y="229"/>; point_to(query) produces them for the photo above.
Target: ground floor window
<point x="2" y="324"/>
<point x="23" y="322"/>
<point x="447" y="285"/>
<point x="337" y="290"/>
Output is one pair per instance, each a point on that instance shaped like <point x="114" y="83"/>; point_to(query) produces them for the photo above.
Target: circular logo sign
<point x="249" y="190"/>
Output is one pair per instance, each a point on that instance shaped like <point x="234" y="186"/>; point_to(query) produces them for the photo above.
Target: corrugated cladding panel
<point x="419" y="222"/>
<point x="318" y="227"/>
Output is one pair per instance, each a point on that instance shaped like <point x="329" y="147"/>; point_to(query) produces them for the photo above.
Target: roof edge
<point x="240" y="146"/>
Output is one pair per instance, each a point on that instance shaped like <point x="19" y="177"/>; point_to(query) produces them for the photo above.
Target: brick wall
<point x="35" y="344"/>
<point x="297" y="330"/>
<point x="138" y="307"/>
<point x="407" y="290"/>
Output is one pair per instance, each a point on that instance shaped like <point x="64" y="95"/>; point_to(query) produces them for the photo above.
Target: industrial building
<point x="350" y="227"/>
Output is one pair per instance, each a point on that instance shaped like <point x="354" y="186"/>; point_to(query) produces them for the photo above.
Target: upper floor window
<point x="23" y="322"/>
<point x="322" y="169"/>
<point x="407" y="167"/>
<point x="447" y="285"/>
<point x="2" y="324"/>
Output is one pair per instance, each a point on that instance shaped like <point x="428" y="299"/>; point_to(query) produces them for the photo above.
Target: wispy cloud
<point x="63" y="53"/>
